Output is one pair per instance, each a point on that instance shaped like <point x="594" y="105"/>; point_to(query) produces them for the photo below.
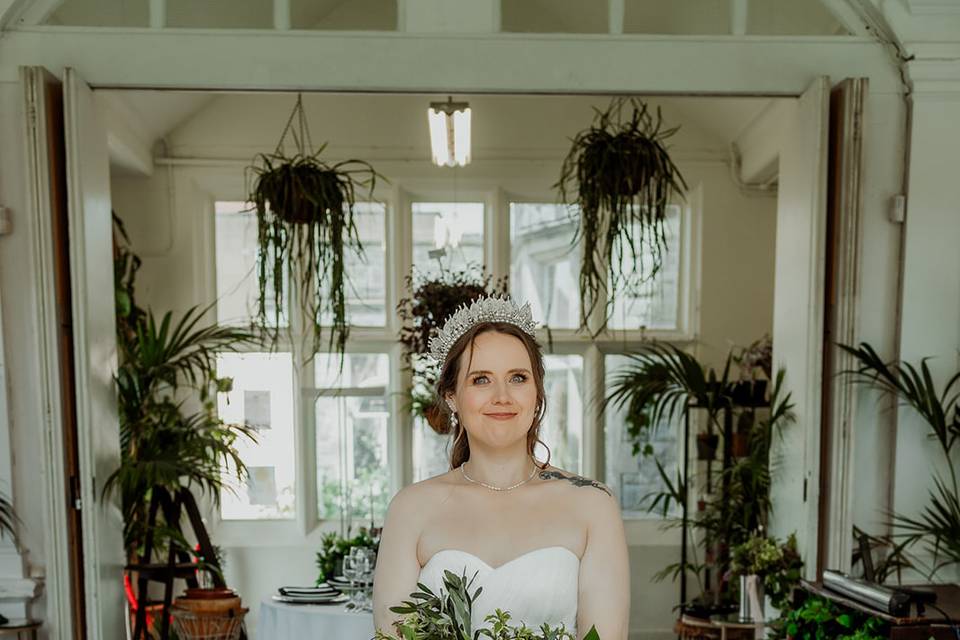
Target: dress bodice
<point x="537" y="587"/>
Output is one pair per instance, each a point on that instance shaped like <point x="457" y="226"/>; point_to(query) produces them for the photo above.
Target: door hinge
<point x="804" y="489"/>
<point x="75" y="493"/>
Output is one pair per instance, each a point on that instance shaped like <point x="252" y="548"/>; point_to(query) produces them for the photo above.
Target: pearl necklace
<point x="493" y="488"/>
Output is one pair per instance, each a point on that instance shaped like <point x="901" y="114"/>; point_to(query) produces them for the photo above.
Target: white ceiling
<point x="394" y="125"/>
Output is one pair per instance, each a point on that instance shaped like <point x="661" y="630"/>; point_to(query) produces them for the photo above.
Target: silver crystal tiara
<point x="490" y="309"/>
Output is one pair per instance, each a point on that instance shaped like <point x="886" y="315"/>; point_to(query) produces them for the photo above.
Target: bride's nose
<point x="502" y="395"/>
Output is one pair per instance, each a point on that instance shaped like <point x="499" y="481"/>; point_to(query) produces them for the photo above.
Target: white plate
<point x="320" y="600"/>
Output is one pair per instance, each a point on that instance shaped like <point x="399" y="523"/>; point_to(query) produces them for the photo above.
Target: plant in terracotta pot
<point x="707" y="444"/>
<point x="741" y="436"/>
<point x="432" y="300"/>
<point x="305" y="225"/>
<point x="620" y="176"/>
<point x="755" y="364"/>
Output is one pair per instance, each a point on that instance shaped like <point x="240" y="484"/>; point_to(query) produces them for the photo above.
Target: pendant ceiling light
<point x="450" y="133"/>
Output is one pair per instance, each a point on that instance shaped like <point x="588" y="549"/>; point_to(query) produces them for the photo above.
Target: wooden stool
<point x="14" y="629"/>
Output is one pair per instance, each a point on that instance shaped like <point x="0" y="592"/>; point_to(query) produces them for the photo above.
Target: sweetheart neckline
<point x="499" y="566"/>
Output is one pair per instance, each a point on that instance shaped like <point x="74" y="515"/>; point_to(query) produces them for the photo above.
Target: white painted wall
<point x="23" y="416"/>
<point x="931" y="285"/>
<point x="520" y="142"/>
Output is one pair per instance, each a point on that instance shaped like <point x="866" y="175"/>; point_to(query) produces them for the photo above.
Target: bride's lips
<point x="500" y="416"/>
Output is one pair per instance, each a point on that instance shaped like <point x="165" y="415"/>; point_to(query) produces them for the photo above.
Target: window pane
<point x="446" y="236"/>
<point x="236" y="264"/>
<point x="431" y="451"/>
<point x="365" y="278"/>
<point x="562" y="428"/>
<point x="635" y="479"/>
<point x="353" y="477"/>
<point x="653" y="304"/>
<point x="262" y="396"/>
<point x="544" y="267"/>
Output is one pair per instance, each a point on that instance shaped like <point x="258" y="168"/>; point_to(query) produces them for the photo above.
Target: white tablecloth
<point x="280" y="621"/>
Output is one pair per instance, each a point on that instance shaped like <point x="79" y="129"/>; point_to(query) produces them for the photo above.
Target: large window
<point x="335" y="440"/>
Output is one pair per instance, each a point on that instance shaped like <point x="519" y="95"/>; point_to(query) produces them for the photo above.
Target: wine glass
<point x="364" y="561"/>
<point x="350" y="572"/>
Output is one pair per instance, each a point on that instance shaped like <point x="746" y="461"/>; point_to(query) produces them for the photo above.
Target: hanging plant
<point x="305" y="224"/>
<point x="432" y="300"/>
<point x="620" y="176"/>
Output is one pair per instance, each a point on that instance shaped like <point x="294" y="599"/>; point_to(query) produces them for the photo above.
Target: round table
<point x="282" y="621"/>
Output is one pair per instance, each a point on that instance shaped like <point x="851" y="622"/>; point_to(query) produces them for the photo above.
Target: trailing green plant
<point x="170" y="434"/>
<point x="305" y="225"/>
<point x="937" y="524"/>
<point x="333" y="548"/>
<point x="621" y="177"/>
<point x="447" y="616"/>
<point x="431" y="301"/>
<point x="818" y="618"/>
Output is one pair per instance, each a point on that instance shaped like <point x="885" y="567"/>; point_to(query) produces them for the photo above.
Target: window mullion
<point x="400" y="262"/>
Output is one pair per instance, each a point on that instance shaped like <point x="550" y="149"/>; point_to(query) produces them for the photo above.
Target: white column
<point x="615" y="10"/>
<point x="739" y="10"/>
<point x="16" y="590"/>
<point x="930" y="295"/>
<point x="281" y="15"/>
<point x="158" y="14"/>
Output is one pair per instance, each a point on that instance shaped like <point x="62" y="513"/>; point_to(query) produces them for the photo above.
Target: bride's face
<point x="496" y="395"/>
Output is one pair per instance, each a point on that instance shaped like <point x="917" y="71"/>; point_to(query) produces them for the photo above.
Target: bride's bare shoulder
<point x="575" y="485"/>
<point x="420" y="496"/>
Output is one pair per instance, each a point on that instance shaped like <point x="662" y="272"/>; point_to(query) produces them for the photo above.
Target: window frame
<point x="307" y="527"/>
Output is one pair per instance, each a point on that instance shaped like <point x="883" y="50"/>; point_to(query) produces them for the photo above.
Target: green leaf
<point x="592" y="634"/>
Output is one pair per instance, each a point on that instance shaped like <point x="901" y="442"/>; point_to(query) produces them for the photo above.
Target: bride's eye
<point x="519" y="378"/>
<point x="479" y="379"/>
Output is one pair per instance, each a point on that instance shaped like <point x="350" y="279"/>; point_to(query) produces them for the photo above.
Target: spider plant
<point x="937" y="524"/>
<point x="621" y="178"/>
<point x="305" y="224"/>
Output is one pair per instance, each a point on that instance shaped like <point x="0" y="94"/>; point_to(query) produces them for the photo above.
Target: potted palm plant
<point x="938" y="523"/>
<point x="305" y="225"/>
<point x="620" y="176"/>
<point x="170" y="435"/>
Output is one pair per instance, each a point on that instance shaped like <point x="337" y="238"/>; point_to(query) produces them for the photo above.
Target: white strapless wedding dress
<point x="536" y="587"/>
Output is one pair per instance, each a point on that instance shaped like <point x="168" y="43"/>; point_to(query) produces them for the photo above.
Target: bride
<point x="547" y="545"/>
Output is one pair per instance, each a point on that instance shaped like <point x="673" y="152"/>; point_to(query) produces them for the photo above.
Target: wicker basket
<point x="192" y="625"/>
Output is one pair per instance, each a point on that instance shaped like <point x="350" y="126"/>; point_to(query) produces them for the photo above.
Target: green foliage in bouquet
<point x="447" y="616"/>
<point x="820" y="619"/>
<point x="778" y="565"/>
<point x="334" y="547"/>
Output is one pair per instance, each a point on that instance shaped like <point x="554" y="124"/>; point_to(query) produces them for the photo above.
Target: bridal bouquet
<point x="447" y="616"/>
